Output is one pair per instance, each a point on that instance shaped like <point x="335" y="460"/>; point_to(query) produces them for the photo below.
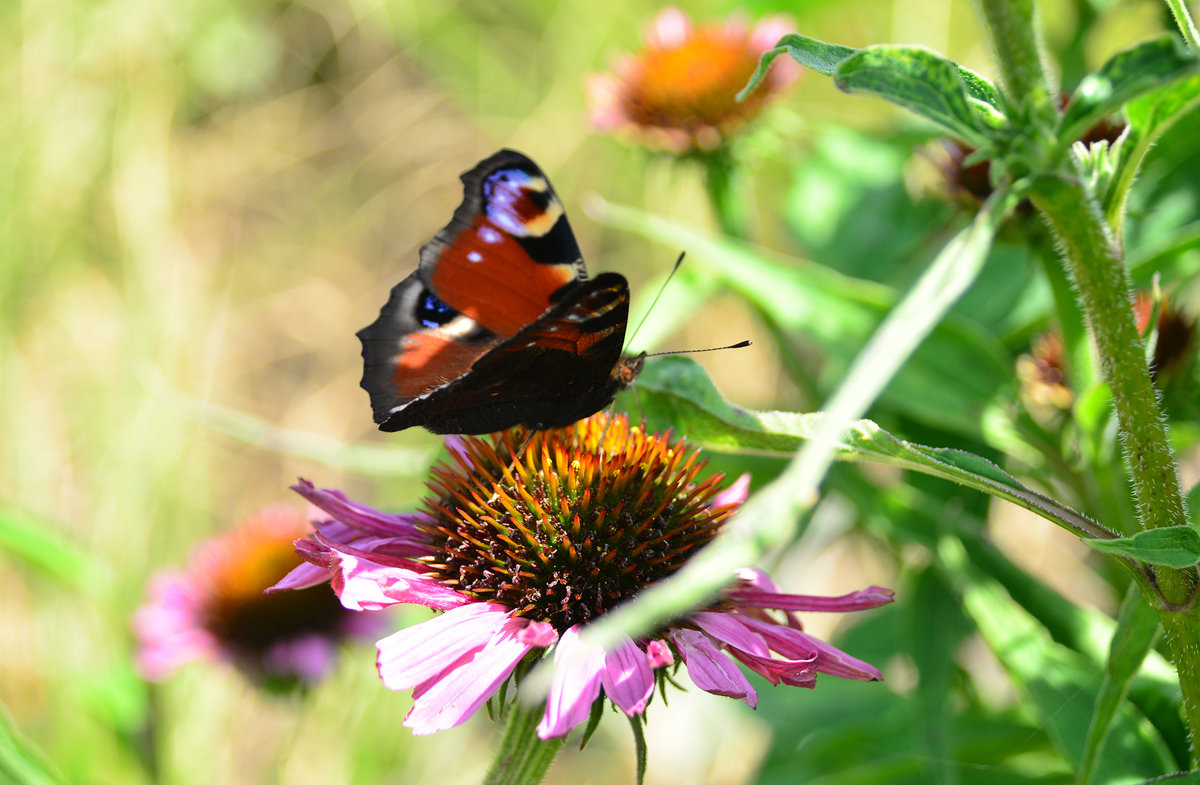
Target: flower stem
<point x="1010" y="26"/>
<point x="1186" y="26"/>
<point x="723" y="179"/>
<point x="1094" y="260"/>
<point x="523" y="758"/>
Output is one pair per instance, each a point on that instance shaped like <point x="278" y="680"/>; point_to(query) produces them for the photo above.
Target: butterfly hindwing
<point x="558" y="369"/>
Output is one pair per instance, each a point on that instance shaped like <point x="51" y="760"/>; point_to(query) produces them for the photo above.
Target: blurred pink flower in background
<point x="216" y="609"/>
<point x="678" y="93"/>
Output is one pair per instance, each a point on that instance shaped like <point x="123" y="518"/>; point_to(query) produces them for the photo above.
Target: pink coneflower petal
<point x="871" y="597"/>
<point x="451" y="699"/>
<point x="669" y="29"/>
<point x="364" y="584"/>
<point x="800" y="645"/>
<point x="709" y="669"/>
<point x="360" y="516"/>
<point x="171" y="628"/>
<point x="540" y="634"/>
<point x="627" y="678"/>
<point x="308" y="657"/>
<point x="731" y="630"/>
<point x="421" y="652"/>
<point x="735" y="494"/>
<point x="658" y="654"/>
<point x="575" y="687"/>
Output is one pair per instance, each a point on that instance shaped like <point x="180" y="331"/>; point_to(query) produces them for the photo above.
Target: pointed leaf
<point x="923" y="82"/>
<point x="1127" y="75"/>
<point x="1137" y="627"/>
<point x="1170" y="546"/>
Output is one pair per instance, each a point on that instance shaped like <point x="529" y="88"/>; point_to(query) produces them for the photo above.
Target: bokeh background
<point x="202" y="201"/>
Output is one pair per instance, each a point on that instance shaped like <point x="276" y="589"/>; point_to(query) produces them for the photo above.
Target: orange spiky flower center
<point x="589" y="516"/>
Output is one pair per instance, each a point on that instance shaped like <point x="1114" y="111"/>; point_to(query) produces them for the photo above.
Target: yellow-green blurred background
<point x="202" y="201"/>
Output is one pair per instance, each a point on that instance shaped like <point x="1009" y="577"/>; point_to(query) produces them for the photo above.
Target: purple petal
<point x="627" y="678"/>
<point x="800" y="672"/>
<point x="424" y="651"/>
<point x="575" y="687"/>
<point x="734" y="494"/>
<point x="658" y="654"/>
<point x="731" y="630"/>
<point x="871" y="597"/>
<point x="366" y="585"/>
<point x="829" y="659"/>
<point x="360" y="516"/>
<point x="457" y="694"/>
<point x="303" y="577"/>
<point x="709" y="669"/>
<point x="539" y="633"/>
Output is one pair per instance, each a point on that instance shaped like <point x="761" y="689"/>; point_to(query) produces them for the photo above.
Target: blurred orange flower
<point x="678" y="93"/>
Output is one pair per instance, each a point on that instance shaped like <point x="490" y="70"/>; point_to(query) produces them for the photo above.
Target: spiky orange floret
<point x="587" y="517"/>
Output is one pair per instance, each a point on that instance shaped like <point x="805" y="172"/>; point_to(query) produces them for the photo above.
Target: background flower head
<point x="678" y="92"/>
<point x="216" y="609"/>
<point x="522" y="554"/>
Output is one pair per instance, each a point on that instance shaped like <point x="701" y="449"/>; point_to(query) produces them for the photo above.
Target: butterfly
<point x="499" y="325"/>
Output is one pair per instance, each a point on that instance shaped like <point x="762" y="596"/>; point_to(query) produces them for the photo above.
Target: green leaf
<point x="20" y="762"/>
<point x="824" y="58"/>
<point x="676" y="392"/>
<point x="921" y="81"/>
<point x="1125" y="76"/>
<point x="1149" y="116"/>
<point x="1137" y="627"/>
<point x="1169" y="546"/>
<point x="36" y="543"/>
<point x="808" y="52"/>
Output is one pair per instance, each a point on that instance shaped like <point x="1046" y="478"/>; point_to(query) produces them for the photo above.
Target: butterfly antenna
<point x="654" y="302"/>
<point x="738" y="345"/>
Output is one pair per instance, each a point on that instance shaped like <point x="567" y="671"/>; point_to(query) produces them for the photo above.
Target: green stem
<point x="523" y="758"/>
<point x="1011" y="27"/>
<point x="723" y="180"/>
<point x="1095" y="262"/>
<point x="1186" y="26"/>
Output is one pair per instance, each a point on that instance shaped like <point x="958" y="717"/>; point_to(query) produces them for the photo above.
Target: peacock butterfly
<point x="500" y="324"/>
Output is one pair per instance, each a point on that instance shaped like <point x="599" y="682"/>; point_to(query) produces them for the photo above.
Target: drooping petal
<point x="870" y="597"/>
<point x="797" y="672"/>
<point x="828" y="659"/>
<point x="424" y="651"/>
<point x="731" y="630"/>
<point x="303" y="577"/>
<point x="627" y="678"/>
<point x="575" y="687"/>
<point x="709" y="669"/>
<point x="360" y="516"/>
<point x="458" y="694"/>
<point x="363" y="583"/>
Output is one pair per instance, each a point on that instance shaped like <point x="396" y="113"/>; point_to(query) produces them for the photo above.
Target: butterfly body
<point x="499" y="325"/>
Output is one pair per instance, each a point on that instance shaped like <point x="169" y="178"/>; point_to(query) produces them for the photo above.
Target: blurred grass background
<point x="209" y="199"/>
